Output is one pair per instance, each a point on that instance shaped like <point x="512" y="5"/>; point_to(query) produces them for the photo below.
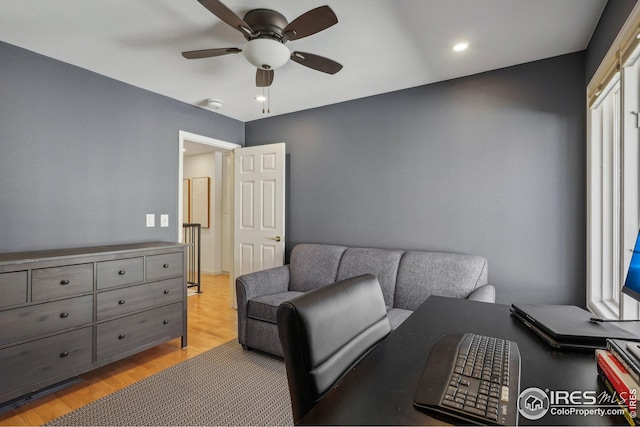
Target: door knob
<point x="277" y="238"/>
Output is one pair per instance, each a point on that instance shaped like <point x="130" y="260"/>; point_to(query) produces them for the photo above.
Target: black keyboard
<point x="473" y="378"/>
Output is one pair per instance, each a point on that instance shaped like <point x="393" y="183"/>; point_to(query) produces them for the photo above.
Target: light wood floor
<point x="211" y="322"/>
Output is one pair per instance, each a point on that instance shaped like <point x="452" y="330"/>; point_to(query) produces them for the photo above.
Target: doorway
<point x="204" y="157"/>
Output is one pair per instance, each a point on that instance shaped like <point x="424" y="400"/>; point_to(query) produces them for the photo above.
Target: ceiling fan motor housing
<point x="266" y="23"/>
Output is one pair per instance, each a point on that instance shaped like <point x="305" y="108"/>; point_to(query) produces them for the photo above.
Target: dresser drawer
<point x="13" y="288"/>
<point x="119" y="302"/>
<point x="127" y="333"/>
<point x="37" y="361"/>
<point x="120" y="272"/>
<point x="63" y="281"/>
<point x="27" y="322"/>
<point x="164" y="266"/>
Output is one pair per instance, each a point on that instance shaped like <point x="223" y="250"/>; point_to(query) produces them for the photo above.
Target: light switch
<point x="151" y="220"/>
<point x="164" y="220"/>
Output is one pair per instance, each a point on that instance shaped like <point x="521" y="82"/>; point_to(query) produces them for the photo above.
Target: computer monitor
<point x="632" y="282"/>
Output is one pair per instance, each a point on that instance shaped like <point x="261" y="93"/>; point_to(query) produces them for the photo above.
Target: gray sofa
<point x="407" y="279"/>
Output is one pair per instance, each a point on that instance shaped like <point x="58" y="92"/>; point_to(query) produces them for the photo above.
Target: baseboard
<point x="213" y="273"/>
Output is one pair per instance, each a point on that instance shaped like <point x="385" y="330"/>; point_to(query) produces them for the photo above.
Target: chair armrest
<point x="485" y="293"/>
<point x="263" y="282"/>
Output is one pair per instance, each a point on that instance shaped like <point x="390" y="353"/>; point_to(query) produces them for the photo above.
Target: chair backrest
<point x="327" y="331"/>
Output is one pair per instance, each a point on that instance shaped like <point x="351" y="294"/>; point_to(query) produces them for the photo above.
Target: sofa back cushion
<point x="382" y="263"/>
<point x="422" y="274"/>
<point x="313" y="265"/>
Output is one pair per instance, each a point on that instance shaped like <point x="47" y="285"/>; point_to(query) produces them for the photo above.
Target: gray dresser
<point x="65" y="312"/>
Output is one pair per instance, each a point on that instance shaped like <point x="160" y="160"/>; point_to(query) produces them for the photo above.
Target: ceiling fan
<point x="266" y="32"/>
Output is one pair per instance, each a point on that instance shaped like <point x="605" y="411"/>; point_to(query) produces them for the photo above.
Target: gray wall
<point x="83" y="157"/>
<point x="613" y="18"/>
<point x="492" y="164"/>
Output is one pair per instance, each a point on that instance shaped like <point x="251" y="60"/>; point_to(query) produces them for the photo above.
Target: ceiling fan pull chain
<point x="269" y="99"/>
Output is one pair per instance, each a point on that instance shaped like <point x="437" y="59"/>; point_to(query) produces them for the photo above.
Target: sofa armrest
<point x="263" y="282"/>
<point x="486" y="293"/>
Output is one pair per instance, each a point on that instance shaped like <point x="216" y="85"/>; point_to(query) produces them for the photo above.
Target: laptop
<point x="568" y="326"/>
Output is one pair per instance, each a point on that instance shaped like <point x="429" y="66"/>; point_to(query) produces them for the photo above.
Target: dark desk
<point x="380" y="389"/>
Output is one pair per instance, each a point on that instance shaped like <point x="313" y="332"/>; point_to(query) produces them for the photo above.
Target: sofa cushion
<point x="381" y="263"/>
<point x="422" y="274"/>
<point x="397" y="316"/>
<point x="312" y="266"/>
<point x="264" y="307"/>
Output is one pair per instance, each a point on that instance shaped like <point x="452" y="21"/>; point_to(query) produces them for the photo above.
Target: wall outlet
<point x="164" y="220"/>
<point x="151" y="220"/>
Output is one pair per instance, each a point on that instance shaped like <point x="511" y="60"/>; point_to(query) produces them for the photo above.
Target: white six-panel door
<point x="259" y="185"/>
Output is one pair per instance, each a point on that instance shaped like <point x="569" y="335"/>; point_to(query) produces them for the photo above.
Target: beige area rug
<point x="223" y="386"/>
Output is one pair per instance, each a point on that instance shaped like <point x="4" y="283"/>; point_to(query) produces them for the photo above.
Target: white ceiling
<point x="384" y="45"/>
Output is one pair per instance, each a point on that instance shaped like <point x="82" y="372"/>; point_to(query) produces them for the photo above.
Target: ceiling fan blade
<point x="316" y="62"/>
<point x="227" y="15"/>
<point x="309" y="23"/>
<point x="264" y="78"/>
<point x="210" y="53"/>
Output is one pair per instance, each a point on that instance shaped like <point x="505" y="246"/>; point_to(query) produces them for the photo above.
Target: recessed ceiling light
<point x="261" y="98"/>
<point x="461" y="46"/>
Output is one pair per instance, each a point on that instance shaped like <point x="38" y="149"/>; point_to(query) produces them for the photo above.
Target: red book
<point x="619" y="377"/>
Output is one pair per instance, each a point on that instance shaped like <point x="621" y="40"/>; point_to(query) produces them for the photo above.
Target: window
<point x="613" y="159"/>
<point x="604" y="200"/>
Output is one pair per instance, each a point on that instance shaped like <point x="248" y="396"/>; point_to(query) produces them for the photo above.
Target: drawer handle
<point x="65" y="314"/>
<point x="64" y="282"/>
<point x="121" y="336"/>
<point x="121" y="272"/>
<point x="165" y="322"/>
<point x="166" y="266"/>
<point x="64" y="354"/>
<point x="121" y="302"/>
<point x="166" y="291"/>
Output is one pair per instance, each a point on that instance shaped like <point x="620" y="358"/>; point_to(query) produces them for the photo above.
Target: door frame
<point x="200" y="139"/>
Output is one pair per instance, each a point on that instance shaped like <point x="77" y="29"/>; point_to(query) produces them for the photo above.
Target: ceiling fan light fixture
<point x="266" y="54"/>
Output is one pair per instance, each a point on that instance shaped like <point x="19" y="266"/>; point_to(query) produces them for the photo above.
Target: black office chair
<point x="327" y="331"/>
